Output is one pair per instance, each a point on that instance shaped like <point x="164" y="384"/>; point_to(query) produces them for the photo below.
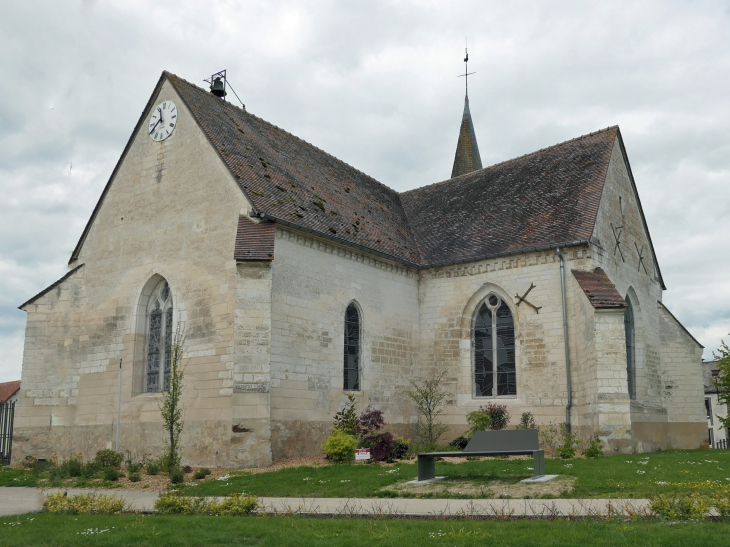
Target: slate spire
<point x="467" y="151"/>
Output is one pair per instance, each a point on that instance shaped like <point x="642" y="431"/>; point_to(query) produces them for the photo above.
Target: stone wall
<point x="313" y="282"/>
<point x="172" y="211"/>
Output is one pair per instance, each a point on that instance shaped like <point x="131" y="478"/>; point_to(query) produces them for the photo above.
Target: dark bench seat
<point x="516" y="442"/>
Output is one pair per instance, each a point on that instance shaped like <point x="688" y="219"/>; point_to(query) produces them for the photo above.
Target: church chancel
<point x="299" y="280"/>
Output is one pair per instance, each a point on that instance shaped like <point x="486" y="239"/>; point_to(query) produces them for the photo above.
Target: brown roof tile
<point x="254" y="241"/>
<point x="8" y="389"/>
<point x="598" y="288"/>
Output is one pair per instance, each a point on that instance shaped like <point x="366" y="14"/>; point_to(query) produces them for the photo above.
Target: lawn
<point x="623" y="476"/>
<point x="133" y="530"/>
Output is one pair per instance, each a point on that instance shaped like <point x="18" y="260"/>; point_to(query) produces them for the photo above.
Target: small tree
<point x="171" y="408"/>
<point x="428" y="400"/>
<point x="346" y="419"/>
<point x="722" y="381"/>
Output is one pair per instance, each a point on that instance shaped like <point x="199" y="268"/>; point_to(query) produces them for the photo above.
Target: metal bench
<point x="490" y="443"/>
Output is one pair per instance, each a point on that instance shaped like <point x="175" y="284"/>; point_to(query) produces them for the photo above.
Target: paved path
<point x="16" y="501"/>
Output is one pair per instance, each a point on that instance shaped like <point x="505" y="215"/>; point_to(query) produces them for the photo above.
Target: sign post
<point x="362" y="454"/>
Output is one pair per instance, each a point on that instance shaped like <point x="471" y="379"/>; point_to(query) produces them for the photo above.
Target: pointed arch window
<point x="494" y="349"/>
<point x="629" y="327"/>
<point x="159" y="338"/>
<point x="351" y="370"/>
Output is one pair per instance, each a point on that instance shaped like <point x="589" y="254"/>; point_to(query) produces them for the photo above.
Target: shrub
<point x="72" y="468"/>
<point x="41" y="466"/>
<point x="88" y="470"/>
<point x="111" y="474"/>
<point x="567" y="446"/>
<point x="83" y="503"/>
<point x="400" y="449"/>
<point x="381" y="446"/>
<point x="371" y="421"/>
<point x="459" y="442"/>
<point x="172" y="503"/>
<point x="153" y="468"/>
<point x="527" y="421"/>
<point x="201" y="473"/>
<point x="479" y="421"/>
<point x="346" y="420"/>
<point x="135" y="477"/>
<point x="177" y="476"/>
<point x="680" y="507"/>
<point x="108" y="458"/>
<point x="594" y="450"/>
<point x="340" y="447"/>
<point x="498" y="415"/>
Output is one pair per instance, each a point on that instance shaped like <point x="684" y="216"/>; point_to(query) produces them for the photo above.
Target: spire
<point x="467" y="151"/>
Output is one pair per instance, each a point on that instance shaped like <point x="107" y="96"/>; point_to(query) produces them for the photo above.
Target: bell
<point x="217" y="88"/>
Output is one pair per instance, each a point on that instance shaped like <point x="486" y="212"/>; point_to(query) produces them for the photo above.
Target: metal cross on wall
<point x="641" y="258"/>
<point x="521" y="299"/>
<point x="617" y="237"/>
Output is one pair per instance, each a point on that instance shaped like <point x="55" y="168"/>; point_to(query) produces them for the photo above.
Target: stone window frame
<point x="141" y="334"/>
<point x="355" y="304"/>
<point x="499" y="293"/>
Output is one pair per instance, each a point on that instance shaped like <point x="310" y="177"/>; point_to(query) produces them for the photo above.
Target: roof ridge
<point x="290" y="134"/>
<point x="516" y="158"/>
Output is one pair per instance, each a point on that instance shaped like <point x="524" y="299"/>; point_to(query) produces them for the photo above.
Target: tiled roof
<point x="8" y="389"/>
<point x="50" y="287"/>
<point x="544" y="198"/>
<point x="254" y="241"/>
<point x="287" y="178"/>
<point x="467" y="158"/>
<point x="598" y="288"/>
<point x="536" y="201"/>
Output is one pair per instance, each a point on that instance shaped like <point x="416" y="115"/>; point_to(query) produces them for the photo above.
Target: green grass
<point x="606" y="477"/>
<point x="10" y="476"/>
<point x="132" y="530"/>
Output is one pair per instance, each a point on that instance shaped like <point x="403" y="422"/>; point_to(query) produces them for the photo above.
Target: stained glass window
<point x="352" y="349"/>
<point x="630" y="349"/>
<point x="494" y="349"/>
<point x="159" y="336"/>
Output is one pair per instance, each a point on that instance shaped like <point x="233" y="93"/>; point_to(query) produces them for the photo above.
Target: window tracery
<point x="159" y="338"/>
<point x="494" y="349"/>
<point x="351" y="367"/>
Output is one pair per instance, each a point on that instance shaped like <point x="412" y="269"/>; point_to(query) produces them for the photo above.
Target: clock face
<point x="162" y="121"/>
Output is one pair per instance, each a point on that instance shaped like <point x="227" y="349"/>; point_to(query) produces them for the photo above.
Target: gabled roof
<point x="661" y="304"/>
<point x="254" y="241"/>
<point x="541" y="200"/>
<point x="8" y="389"/>
<point x="601" y="293"/>
<point x="467" y="158"/>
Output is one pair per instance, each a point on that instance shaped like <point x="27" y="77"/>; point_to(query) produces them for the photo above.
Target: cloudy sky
<point x="374" y="83"/>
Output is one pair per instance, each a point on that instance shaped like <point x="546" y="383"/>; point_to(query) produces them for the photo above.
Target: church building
<point x="298" y="280"/>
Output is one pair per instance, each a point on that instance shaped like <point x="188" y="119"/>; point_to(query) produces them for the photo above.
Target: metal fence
<point x="7" y="412"/>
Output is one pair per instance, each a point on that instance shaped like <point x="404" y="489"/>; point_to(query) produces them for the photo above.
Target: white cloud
<point x="375" y="85"/>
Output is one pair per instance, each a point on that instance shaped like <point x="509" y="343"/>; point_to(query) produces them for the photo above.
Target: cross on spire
<point x="466" y="71"/>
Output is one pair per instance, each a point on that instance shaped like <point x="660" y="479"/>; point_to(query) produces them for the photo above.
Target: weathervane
<point x="466" y="71"/>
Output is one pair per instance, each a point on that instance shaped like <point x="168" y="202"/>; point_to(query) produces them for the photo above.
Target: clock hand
<point x="158" y="121"/>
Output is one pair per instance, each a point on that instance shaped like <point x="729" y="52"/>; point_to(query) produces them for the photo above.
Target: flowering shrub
<point x="681" y="507"/>
<point x="498" y="415"/>
<point x="108" y="458"/>
<point x="340" y="447"/>
<point x="83" y="503"/>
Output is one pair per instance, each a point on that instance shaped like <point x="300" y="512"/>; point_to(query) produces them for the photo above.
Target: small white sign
<point x="362" y="454"/>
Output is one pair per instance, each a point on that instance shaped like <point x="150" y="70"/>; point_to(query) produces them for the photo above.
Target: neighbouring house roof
<point x="601" y="293"/>
<point x="254" y="241"/>
<point x="8" y="389"/>
<point x="50" y="287"/>
<point x="467" y="158"/>
<point x="709" y="373"/>
<point x="541" y="200"/>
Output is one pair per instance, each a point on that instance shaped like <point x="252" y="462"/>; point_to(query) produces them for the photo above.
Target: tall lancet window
<point x="159" y="338"/>
<point x="352" y="349"/>
<point x="494" y="349"/>
<point x="630" y="348"/>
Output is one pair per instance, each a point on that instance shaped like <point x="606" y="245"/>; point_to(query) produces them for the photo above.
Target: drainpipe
<point x="565" y="338"/>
